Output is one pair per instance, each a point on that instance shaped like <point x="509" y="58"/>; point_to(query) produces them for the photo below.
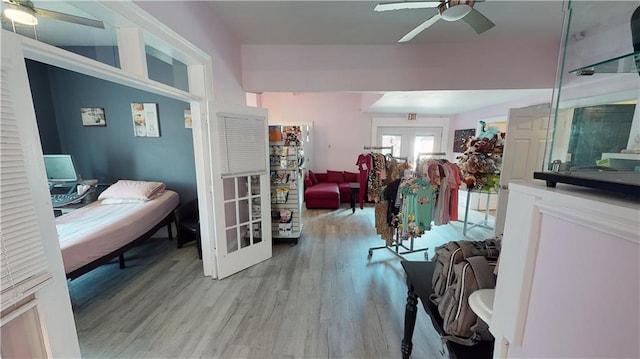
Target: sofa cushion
<point x="323" y="195"/>
<point x="322" y="177"/>
<point x="314" y="179"/>
<point x="335" y="176"/>
<point x="307" y="183"/>
<point x="351" y="176"/>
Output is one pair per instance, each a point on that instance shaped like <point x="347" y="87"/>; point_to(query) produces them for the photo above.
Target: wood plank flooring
<point x="321" y="298"/>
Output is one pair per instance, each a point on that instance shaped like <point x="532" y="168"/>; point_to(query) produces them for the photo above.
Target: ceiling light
<point x="454" y="12"/>
<point x="21" y="14"/>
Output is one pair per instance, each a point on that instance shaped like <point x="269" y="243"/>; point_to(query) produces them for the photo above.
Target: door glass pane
<point x="232" y="240"/>
<point x="228" y="185"/>
<point x="230" y="214"/>
<point x="243" y="211"/>
<point x="245" y="239"/>
<point x="256" y="209"/>
<point x="257" y="232"/>
<point x="394" y="141"/>
<point x="255" y="185"/>
<point x="423" y="144"/>
<point x="243" y="187"/>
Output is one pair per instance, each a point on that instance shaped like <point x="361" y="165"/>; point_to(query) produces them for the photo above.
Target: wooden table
<point x="419" y="276"/>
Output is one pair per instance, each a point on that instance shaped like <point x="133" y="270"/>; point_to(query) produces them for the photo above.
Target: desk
<point x="355" y="190"/>
<point x="419" y="276"/>
<point x="485" y="222"/>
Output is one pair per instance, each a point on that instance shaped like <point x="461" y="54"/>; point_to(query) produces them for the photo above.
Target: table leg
<point x="466" y="214"/>
<point x="354" y="194"/>
<point x="409" y="322"/>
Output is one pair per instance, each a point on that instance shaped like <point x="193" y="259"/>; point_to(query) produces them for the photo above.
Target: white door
<point x="410" y="141"/>
<point x="523" y="152"/>
<point x="241" y="188"/>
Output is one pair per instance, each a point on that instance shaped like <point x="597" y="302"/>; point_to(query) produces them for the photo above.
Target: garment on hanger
<point x="365" y="164"/>
<point x="417" y="207"/>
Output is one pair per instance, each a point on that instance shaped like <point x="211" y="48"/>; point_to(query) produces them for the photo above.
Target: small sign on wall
<point x="145" y="119"/>
<point x="412" y="117"/>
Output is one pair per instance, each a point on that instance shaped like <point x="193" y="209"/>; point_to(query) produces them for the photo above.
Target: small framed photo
<point x="93" y="116"/>
<point x="145" y="119"/>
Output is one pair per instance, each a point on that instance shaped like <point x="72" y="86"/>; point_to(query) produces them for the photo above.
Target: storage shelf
<point x="618" y="64"/>
<point x="280" y="165"/>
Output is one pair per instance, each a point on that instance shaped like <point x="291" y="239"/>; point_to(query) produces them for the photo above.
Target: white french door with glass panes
<point x="409" y="142"/>
<point x="241" y="189"/>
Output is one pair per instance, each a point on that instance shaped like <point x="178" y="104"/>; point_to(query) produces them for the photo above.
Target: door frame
<point x="200" y="97"/>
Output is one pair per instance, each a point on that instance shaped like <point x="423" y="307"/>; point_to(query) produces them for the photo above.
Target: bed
<point x="95" y="234"/>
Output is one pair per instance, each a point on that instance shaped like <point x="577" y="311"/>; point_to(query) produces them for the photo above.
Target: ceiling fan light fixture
<point x="21" y="14"/>
<point x="454" y="12"/>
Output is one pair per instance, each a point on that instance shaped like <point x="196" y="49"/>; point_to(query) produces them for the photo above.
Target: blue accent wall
<point x="112" y="152"/>
<point x="45" y="116"/>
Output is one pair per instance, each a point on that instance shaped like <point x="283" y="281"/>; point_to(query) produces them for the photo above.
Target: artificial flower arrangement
<point x="482" y="159"/>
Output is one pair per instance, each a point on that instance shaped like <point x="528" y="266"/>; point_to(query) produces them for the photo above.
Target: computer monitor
<point x="61" y="169"/>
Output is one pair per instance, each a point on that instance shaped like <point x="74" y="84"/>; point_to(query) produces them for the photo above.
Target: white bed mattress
<point x="98" y="229"/>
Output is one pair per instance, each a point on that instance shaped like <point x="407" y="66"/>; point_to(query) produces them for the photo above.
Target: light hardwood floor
<point x="319" y="299"/>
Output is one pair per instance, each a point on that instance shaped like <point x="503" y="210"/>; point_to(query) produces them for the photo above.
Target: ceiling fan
<point x="24" y="12"/>
<point x="449" y="10"/>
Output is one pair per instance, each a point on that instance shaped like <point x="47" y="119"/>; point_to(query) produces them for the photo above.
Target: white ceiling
<point x="355" y="23"/>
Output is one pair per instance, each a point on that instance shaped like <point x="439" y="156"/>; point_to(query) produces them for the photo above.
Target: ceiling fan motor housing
<point x="454" y="10"/>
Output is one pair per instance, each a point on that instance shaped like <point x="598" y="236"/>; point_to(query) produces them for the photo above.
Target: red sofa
<point x="328" y="190"/>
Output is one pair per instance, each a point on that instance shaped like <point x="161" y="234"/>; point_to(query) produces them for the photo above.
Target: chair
<point x="188" y="225"/>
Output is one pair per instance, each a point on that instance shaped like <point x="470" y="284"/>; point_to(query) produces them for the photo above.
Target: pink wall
<point x="588" y="309"/>
<point x="194" y="20"/>
<point x="470" y="66"/>
<point x="340" y="128"/>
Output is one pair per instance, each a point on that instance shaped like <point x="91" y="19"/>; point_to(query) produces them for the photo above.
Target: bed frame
<point x="166" y="221"/>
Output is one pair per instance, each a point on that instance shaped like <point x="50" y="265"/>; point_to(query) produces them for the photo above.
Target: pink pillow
<point x="133" y="190"/>
<point x="351" y="176"/>
<point x="335" y="176"/>
<point x="312" y="176"/>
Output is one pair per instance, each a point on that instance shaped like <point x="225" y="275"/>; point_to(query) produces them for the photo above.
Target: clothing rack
<point x="431" y="154"/>
<point x="405" y="159"/>
<point x="397" y="243"/>
<point x="378" y="148"/>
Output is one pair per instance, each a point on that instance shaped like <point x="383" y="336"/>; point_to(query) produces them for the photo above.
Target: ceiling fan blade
<point x="404" y="5"/>
<point x="478" y="22"/>
<point x="69" y="18"/>
<point x="420" y="28"/>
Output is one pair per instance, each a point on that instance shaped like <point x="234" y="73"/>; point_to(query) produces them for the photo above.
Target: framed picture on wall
<point x="93" y="116"/>
<point x="459" y="136"/>
<point x="145" y="119"/>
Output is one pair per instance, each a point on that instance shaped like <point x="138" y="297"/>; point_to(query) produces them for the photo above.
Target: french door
<point x="241" y="189"/>
<point x="409" y="142"/>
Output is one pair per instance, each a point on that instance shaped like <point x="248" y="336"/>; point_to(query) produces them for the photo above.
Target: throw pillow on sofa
<point x="335" y="177"/>
<point x="312" y="176"/>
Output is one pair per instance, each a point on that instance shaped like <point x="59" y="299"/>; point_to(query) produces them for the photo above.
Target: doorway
<point x="409" y="142"/>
